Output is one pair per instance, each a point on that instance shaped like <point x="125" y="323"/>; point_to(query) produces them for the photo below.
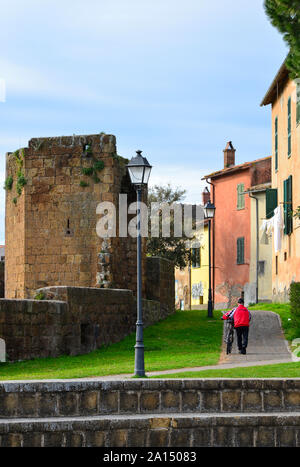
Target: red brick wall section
<point x="261" y="172"/>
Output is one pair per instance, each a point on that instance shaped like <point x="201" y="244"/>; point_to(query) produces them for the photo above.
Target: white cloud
<point x="30" y="81"/>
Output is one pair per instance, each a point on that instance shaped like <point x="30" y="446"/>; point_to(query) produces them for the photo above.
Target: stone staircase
<point x="152" y="413"/>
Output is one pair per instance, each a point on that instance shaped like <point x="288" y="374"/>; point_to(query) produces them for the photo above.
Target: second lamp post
<point x="139" y="171"/>
<point x="209" y="211"/>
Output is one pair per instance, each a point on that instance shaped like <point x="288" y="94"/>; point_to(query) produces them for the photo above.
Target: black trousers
<point x="242" y="336"/>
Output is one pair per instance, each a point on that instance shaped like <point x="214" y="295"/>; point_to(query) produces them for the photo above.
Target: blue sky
<point x="175" y="79"/>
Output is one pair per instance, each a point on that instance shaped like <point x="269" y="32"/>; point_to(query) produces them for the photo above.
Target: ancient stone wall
<point x="71" y="321"/>
<point x="33" y="328"/>
<point x="160" y="396"/>
<point x="55" y="186"/>
<point x="154" y="413"/>
<point x="160" y="285"/>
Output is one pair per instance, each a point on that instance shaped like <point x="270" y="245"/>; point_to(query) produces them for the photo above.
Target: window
<point x="261" y="267"/>
<point x="289" y="128"/>
<point x="271" y="202"/>
<point x="240" y="250"/>
<point x="240" y="196"/>
<point x="196" y="260"/>
<point x="288" y="205"/>
<point x="298" y="104"/>
<point x="276" y="143"/>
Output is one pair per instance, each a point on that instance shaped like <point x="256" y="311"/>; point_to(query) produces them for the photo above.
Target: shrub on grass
<point x="295" y="304"/>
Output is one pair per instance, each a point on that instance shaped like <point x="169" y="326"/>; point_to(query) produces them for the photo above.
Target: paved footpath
<point x="266" y="341"/>
<point x="266" y="346"/>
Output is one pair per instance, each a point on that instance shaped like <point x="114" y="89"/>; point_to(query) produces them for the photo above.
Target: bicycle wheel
<point x="229" y="342"/>
<point x="228" y="347"/>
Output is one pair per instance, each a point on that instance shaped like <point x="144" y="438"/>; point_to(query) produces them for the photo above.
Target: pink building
<point x="231" y="227"/>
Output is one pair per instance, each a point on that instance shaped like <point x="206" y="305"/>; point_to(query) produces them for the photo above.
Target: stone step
<point x="64" y="398"/>
<point x="155" y="430"/>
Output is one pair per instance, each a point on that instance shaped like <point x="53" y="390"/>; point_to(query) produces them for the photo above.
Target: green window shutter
<point x="276" y="143"/>
<point x="298" y="104"/>
<point x="240" y="250"/>
<point x="240" y="196"/>
<point x="271" y="202"/>
<point x="285" y="212"/>
<point x="289" y="128"/>
<point x="290" y="204"/>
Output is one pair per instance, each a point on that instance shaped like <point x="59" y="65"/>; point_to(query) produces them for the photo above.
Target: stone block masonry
<point x="51" y="216"/>
<point x="152" y="413"/>
<point x="71" y="321"/>
<point x="154" y="431"/>
<point x="160" y="284"/>
<point x="140" y="397"/>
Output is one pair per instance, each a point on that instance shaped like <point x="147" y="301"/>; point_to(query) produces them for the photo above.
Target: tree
<point x="285" y="16"/>
<point x="172" y="248"/>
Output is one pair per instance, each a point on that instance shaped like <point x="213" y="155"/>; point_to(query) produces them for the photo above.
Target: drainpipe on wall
<point x="257" y="243"/>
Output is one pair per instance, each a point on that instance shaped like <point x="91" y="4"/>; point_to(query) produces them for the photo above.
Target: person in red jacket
<point x="241" y="318"/>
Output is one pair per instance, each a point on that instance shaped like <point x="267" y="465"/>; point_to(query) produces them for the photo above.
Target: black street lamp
<point x="139" y="171"/>
<point x="209" y="212"/>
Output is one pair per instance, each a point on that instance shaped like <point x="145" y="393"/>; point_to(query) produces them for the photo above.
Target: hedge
<point x="295" y="304"/>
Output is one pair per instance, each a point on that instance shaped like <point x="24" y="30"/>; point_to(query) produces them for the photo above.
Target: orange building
<point x="231" y="256"/>
<point x="284" y="97"/>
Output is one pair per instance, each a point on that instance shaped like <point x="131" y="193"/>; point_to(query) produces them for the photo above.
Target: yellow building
<point x="199" y="270"/>
<point x="191" y="283"/>
<point x="261" y="247"/>
<point x="284" y="96"/>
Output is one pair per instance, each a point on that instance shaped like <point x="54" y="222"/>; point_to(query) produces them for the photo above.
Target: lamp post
<point x="139" y="171"/>
<point x="209" y="212"/>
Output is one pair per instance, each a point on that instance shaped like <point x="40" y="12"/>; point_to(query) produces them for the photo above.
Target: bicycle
<point x="229" y="335"/>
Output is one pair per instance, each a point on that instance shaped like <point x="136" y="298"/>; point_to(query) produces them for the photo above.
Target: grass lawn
<point x="279" y="370"/>
<point x="284" y="311"/>
<point x="187" y="338"/>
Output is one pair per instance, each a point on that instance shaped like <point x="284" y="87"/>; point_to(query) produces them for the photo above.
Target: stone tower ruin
<point x="52" y="189"/>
